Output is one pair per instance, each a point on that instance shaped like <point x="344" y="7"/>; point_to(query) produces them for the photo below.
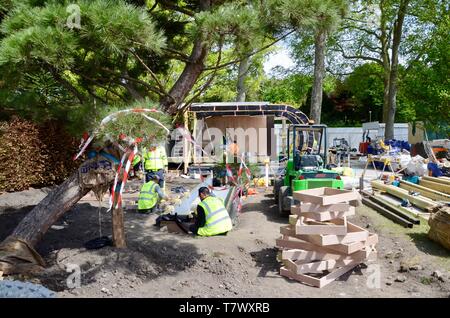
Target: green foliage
<point x="40" y="34"/>
<point x="236" y="22"/>
<point x="292" y="89"/>
<point x="427" y="84"/>
<point x="314" y="14"/>
<point x="133" y="125"/>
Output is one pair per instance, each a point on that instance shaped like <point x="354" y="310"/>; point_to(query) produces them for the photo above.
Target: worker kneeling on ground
<point x="212" y="217"/>
<point x="149" y="196"/>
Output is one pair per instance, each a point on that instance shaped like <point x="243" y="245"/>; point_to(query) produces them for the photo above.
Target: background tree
<point x="321" y="17"/>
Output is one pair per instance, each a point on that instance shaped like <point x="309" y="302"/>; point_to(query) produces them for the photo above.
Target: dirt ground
<point x="241" y="264"/>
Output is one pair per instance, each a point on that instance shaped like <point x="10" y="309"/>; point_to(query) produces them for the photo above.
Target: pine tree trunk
<point x="242" y="75"/>
<point x="192" y="71"/>
<point x="36" y="223"/>
<point x="319" y="74"/>
<point x="17" y="254"/>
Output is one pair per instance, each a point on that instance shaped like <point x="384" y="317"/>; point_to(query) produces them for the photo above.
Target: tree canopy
<point x="69" y="60"/>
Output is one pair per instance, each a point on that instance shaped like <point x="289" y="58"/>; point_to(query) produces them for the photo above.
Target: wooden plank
<point x="419" y="201"/>
<point x="313" y="227"/>
<point x="317" y="208"/>
<point x="318" y="282"/>
<point x="289" y="243"/>
<point x="326" y="216"/>
<point x="320" y="266"/>
<point x="325" y="196"/>
<point x="354" y="234"/>
<point x="426" y="191"/>
<point x="406" y="212"/>
<point x="315" y="267"/>
<point x="440" y="187"/>
<point x="350" y="248"/>
<point x="387" y="213"/>
<point x="441" y="180"/>
<point x="302" y="278"/>
<point x="313" y="255"/>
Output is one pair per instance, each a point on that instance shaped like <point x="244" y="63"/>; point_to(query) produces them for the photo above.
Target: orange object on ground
<point x="251" y="191"/>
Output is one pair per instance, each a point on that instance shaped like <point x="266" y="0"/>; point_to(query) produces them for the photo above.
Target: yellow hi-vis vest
<point x="156" y="159"/>
<point x="148" y="196"/>
<point x="217" y="219"/>
<point x="136" y="160"/>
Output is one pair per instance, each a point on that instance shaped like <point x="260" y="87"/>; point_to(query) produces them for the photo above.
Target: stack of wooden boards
<point x="319" y="244"/>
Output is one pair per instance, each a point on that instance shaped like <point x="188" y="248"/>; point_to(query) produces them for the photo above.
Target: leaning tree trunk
<point x="319" y="74"/>
<point x="192" y="71"/>
<point x="17" y="254"/>
<point x="242" y="75"/>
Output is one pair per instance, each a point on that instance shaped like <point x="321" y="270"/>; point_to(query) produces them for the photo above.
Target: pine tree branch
<point x="96" y="96"/>
<point x="177" y="54"/>
<point x="169" y="5"/>
<point x="152" y="74"/>
<point x="121" y="77"/>
<point x="250" y="54"/>
<point x="65" y="83"/>
<point x="96" y="83"/>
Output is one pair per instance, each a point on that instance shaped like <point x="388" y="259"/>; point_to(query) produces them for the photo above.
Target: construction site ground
<point x="241" y="264"/>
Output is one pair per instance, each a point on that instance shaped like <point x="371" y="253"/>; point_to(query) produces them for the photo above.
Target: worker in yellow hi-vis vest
<point x="212" y="217"/>
<point x="155" y="162"/>
<point x="150" y="195"/>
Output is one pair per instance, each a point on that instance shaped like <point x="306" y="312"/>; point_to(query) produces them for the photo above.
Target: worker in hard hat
<point x="155" y="162"/>
<point x="211" y="217"/>
<point x="150" y="195"/>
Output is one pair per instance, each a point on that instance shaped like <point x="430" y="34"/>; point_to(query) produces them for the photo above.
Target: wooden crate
<point x="326" y="196"/>
<point x="320" y="241"/>
<point x="306" y="226"/>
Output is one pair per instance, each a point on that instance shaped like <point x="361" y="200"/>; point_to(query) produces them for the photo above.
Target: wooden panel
<point x="310" y="207"/>
<point x="313" y="255"/>
<point x="320" y="266"/>
<point x="350" y="248"/>
<point x="318" y="282"/>
<point x="303" y="245"/>
<point x="326" y="216"/>
<point x="354" y="234"/>
<point x="313" y="227"/>
<point x="325" y="196"/>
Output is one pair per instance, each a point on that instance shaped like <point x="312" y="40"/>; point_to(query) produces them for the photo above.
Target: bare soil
<point x="241" y="264"/>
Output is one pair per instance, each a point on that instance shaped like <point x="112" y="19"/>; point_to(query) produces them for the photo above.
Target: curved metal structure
<point x="294" y="115"/>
